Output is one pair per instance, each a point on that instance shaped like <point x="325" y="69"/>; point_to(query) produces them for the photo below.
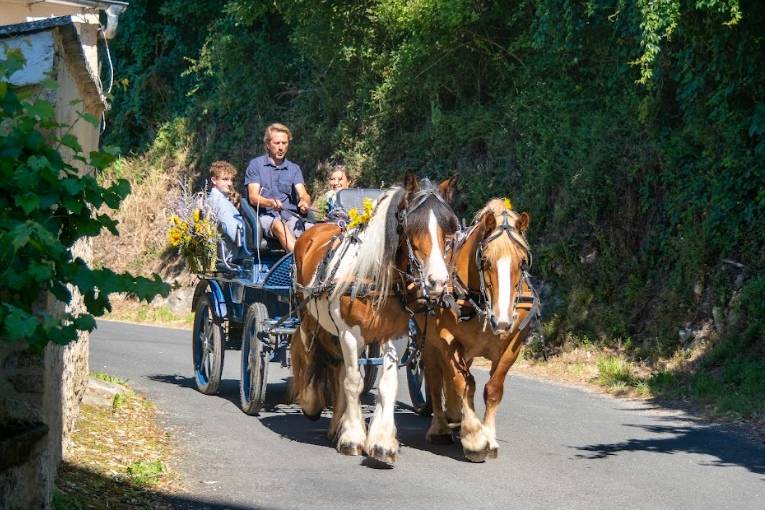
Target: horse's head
<point x="500" y="255"/>
<point x="426" y="220"/>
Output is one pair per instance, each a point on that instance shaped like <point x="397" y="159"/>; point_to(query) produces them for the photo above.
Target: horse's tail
<point x="316" y="360"/>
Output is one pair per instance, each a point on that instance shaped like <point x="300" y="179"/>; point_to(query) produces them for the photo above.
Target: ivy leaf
<point x="28" y="202"/>
<point x="109" y="223"/>
<point x="72" y="203"/>
<point x="43" y="110"/>
<point x="41" y="272"/>
<point x="65" y="335"/>
<point x="85" y="322"/>
<point x="100" y="159"/>
<point x="72" y="185"/>
<point x="61" y="293"/>
<point x="19" y="324"/>
<point x="89" y="118"/>
<point x="35" y="141"/>
<point x="20" y="236"/>
<point x="69" y="140"/>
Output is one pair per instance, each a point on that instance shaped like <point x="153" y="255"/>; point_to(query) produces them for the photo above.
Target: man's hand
<point x="303" y="206"/>
<point x="277" y="205"/>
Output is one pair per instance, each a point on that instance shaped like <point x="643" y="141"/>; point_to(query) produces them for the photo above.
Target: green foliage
<point x="118" y="400"/>
<point x="614" y="371"/>
<point x="47" y="206"/>
<point x="64" y="501"/>
<point x="103" y="376"/>
<point x="145" y="473"/>
<point x="633" y="132"/>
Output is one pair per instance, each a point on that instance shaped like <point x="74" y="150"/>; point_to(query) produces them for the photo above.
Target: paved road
<point x="560" y="447"/>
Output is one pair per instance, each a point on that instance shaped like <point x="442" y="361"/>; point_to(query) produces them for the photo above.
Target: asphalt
<point x="560" y="447"/>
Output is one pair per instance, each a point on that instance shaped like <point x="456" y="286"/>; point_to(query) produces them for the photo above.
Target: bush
<point x="47" y="206"/>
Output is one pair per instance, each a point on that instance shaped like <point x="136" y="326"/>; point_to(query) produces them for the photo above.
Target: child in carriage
<point x="220" y="198"/>
<point x="338" y="179"/>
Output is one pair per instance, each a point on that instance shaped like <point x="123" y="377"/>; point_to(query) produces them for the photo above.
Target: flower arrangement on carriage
<point x="193" y="231"/>
<point x="358" y="218"/>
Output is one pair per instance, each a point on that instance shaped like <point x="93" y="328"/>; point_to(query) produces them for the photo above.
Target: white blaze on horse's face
<point x="434" y="267"/>
<point x="504" y="291"/>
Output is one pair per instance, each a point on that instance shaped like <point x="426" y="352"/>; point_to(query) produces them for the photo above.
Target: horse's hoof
<point x="312" y="417"/>
<point x="350" y="449"/>
<point x="383" y="455"/>
<point x="440" y="438"/>
<point x="492" y="453"/>
<point x="476" y="456"/>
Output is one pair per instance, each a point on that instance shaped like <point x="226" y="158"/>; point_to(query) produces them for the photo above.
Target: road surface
<point x="560" y="447"/>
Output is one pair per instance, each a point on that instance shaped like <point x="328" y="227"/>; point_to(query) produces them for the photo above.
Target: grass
<point x="118" y="458"/>
<point x="615" y="372"/>
<point x="132" y="311"/>
<point x="723" y="382"/>
<point x="146" y="473"/>
<point x="103" y="376"/>
<point x="118" y="400"/>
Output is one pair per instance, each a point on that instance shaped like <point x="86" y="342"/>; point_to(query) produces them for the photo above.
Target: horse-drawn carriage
<point x="333" y="311"/>
<point x="248" y="304"/>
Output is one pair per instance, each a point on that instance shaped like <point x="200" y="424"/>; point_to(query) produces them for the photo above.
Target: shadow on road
<point x="82" y="488"/>
<point x="287" y="420"/>
<point x="228" y="389"/>
<point x="277" y="394"/>
<point x="692" y="438"/>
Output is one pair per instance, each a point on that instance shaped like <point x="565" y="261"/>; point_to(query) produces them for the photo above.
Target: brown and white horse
<point x="348" y="281"/>
<point x="494" y="307"/>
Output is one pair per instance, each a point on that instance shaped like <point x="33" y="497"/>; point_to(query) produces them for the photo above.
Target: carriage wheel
<point x="254" y="379"/>
<point x="207" y="348"/>
<point x="415" y="375"/>
<point x="369" y="372"/>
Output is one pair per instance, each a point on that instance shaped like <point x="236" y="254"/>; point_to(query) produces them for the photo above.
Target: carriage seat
<point x="233" y="254"/>
<point x="253" y="238"/>
<point x="354" y="197"/>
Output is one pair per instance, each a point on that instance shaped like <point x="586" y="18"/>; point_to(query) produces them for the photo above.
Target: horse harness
<point x="325" y="279"/>
<point x="479" y="301"/>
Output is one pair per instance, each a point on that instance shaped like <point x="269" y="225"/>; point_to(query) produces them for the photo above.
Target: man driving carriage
<point x="272" y="182"/>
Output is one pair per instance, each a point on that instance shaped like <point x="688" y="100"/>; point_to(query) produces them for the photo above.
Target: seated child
<point x="222" y="175"/>
<point x="339" y="179"/>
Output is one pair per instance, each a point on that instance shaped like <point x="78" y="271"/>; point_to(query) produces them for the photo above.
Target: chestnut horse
<point x="495" y="303"/>
<point x="350" y="284"/>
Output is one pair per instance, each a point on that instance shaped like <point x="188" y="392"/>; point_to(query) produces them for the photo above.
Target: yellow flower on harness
<point x="508" y="204"/>
<point x="356" y="218"/>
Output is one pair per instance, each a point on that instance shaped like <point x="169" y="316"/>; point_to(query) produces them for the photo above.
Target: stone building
<point x="40" y="395"/>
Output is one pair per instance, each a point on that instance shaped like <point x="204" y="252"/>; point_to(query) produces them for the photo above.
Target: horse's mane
<point x="369" y="263"/>
<point x="503" y="244"/>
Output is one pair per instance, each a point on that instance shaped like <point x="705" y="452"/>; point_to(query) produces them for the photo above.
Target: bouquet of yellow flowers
<point x="193" y="231"/>
<point x="357" y="218"/>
